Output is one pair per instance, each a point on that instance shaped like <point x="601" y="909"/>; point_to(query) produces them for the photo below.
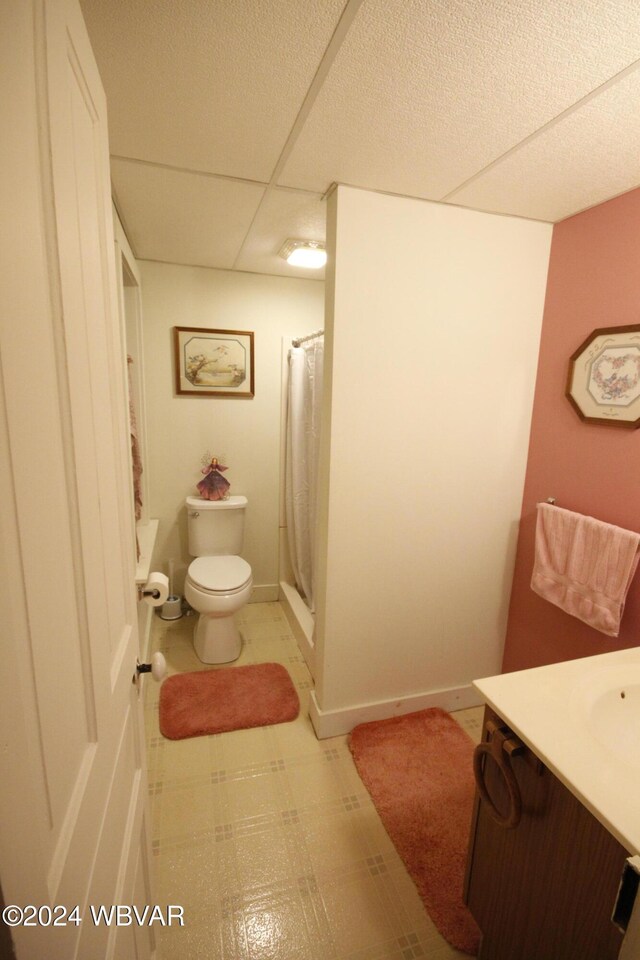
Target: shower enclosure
<point x="303" y="416"/>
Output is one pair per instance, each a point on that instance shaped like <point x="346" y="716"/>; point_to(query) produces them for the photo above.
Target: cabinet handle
<point x="500" y="748"/>
<point x="627" y="893"/>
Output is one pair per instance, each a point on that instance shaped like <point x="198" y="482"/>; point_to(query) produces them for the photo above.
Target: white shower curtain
<point x="303" y="442"/>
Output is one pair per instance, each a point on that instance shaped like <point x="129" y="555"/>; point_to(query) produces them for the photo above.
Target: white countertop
<point x="550" y="710"/>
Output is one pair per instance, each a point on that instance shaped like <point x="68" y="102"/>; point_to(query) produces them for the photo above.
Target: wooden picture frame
<point x="213" y="363"/>
<point x="603" y="384"/>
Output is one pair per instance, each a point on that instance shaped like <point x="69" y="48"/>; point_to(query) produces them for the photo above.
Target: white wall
<point x="244" y="433"/>
<point x="433" y="325"/>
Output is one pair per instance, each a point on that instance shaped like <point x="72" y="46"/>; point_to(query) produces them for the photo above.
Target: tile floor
<point x="268" y="838"/>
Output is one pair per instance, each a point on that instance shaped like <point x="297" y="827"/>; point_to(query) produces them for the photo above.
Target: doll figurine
<point x="214" y="486"/>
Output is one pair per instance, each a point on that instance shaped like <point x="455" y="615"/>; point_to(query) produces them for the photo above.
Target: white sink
<point x="582" y="719"/>
<point x="610" y="699"/>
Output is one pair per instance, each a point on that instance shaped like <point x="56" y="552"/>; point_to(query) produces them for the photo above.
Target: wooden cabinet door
<point x="544" y="890"/>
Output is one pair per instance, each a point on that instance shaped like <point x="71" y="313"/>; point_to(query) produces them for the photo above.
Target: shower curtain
<point x="303" y="442"/>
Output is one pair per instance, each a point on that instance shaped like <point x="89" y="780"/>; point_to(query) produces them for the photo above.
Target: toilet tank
<point x="216" y="527"/>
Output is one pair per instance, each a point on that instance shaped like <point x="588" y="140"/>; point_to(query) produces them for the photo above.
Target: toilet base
<point x="217" y="639"/>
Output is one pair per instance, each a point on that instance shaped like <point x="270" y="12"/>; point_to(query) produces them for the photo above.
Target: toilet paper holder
<point x="143" y="592"/>
<point x="155" y="590"/>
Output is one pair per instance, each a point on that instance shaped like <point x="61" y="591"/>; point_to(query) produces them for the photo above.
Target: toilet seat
<point x="219" y="574"/>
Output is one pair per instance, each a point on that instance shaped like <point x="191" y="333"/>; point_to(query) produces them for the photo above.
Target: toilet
<point x="218" y="581"/>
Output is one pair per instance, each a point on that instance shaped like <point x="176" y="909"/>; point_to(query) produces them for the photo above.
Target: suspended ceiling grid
<point x="229" y="120"/>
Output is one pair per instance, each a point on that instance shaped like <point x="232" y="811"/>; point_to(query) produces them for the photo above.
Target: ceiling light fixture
<point x="304" y="253"/>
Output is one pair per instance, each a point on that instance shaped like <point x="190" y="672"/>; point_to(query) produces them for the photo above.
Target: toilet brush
<point x="172" y="607"/>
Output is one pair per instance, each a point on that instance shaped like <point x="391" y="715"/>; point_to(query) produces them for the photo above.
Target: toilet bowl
<point x="217" y="587"/>
<point x="218" y="581"/>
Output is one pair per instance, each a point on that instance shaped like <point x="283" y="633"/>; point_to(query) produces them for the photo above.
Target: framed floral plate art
<point x="604" y="377"/>
<point x="213" y="363"/>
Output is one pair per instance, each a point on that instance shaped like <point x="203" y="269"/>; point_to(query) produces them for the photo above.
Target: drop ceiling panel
<point x="212" y="86"/>
<point x="423" y="95"/>
<point x="283" y="214"/>
<point x="182" y="217"/>
<point x="587" y="157"/>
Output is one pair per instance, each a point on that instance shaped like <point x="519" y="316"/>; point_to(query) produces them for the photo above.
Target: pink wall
<point x="594" y="281"/>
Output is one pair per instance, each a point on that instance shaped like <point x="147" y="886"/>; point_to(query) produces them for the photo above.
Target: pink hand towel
<point x="584" y="566"/>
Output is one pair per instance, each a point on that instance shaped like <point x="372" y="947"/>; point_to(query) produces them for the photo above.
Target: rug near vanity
<point x="418" y="770"/>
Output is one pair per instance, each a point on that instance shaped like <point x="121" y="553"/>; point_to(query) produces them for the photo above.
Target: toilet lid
<point x="219" y="573"/>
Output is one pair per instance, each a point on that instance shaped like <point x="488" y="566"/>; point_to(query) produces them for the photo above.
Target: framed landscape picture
<point x="213" y="363"/>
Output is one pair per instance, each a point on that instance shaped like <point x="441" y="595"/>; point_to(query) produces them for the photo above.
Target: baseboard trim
<point x="264" y="593"/>
<point x="336" y="723"/>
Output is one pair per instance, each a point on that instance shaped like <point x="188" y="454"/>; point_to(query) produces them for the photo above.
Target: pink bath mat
<point x="229" y="698"/>
<point x="419" y="772"/>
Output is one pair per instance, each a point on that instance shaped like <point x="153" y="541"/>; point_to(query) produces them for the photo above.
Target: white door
<point x="73" y="829"/>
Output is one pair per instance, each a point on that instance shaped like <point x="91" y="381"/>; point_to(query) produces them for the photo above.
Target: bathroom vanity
<point x="557" y="816"/>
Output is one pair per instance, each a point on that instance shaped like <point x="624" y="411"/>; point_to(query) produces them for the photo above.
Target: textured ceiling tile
<point x="422" y="95"/>
<point x="283" y="215"/>
<point x="206" y="85"/>
<point x="589" y="156"/>
<point x="183" y="217"/>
